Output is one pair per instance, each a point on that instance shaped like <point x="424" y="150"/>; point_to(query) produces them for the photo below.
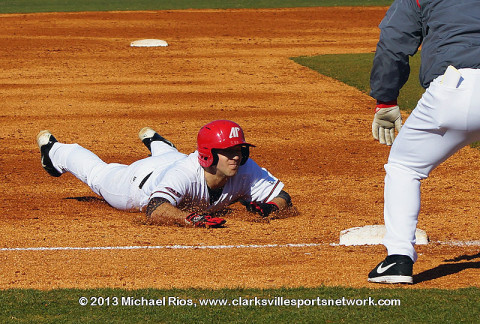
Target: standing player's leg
<point x="416" y="154"/>
<point x="421" y="145"/>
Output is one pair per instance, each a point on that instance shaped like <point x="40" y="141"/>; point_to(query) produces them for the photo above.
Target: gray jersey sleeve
<point x="400" y="37"/>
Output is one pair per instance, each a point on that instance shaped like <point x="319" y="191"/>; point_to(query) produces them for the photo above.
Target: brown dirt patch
<point x="75" y="74"/>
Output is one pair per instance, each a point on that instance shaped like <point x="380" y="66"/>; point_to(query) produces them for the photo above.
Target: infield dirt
<point x="75" y="74"/>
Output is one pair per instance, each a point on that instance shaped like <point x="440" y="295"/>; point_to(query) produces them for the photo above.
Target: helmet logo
<point x="234" y="132"/>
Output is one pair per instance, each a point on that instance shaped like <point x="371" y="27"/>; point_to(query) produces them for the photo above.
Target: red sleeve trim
<point x="163" y="192"/>
<point x="271" y="192"/>
<point x="418" y="3"/>
<point x="386" y="104"/>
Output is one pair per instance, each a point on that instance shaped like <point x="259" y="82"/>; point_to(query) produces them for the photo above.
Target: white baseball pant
<point x="118" y="184"/>
<point x="446" y="118"/>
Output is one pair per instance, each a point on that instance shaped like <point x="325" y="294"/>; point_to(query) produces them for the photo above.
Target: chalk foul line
<point x="166" y="247"/>
<point x="207" y="247"/>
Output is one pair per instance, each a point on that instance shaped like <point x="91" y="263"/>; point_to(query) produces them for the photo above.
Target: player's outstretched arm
<point x="160" y="212"/>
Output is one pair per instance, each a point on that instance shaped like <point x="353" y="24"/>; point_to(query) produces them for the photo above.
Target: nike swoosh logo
<point x="43" y="164"/>
<point x="381" y="269"/>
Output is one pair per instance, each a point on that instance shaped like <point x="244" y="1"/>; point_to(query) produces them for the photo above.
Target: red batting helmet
<point x="220" y="134"/>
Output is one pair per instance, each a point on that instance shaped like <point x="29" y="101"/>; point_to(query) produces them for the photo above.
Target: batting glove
<point x="263" y="209"/>
<point x="204" y="220"/>
<point x="387" y="119"/>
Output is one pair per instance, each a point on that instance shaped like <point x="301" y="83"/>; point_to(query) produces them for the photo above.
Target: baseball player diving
<point x="446" y="118"/>
<point x="171" y="187"/>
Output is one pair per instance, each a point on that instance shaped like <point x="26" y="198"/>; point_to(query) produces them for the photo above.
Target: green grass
<point x="411" y="306"/>
<point x="25" y="6"/>
<point x="354" y="70"/>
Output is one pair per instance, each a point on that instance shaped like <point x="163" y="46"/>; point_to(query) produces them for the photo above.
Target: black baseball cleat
<point x="45" y="141"/>
<point x="394" y="269"/>
<point x="147" y="135"/>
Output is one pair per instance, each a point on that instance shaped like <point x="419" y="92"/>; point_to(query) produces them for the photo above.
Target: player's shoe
<point x="147" y="135"/>
<point x="45" y="141"/>
<point x="395" y="269"/>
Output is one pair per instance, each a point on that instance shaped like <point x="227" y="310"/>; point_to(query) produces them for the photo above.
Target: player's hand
<point x="204" y="220"/>
<point x="263" y="209"/>
<point x="385" y="122"/>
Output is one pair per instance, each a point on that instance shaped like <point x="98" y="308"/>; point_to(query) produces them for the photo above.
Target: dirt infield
<point x="75" y="74"/>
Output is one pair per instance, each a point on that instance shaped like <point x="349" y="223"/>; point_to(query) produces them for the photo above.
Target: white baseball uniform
<point x="169" y="174"/>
